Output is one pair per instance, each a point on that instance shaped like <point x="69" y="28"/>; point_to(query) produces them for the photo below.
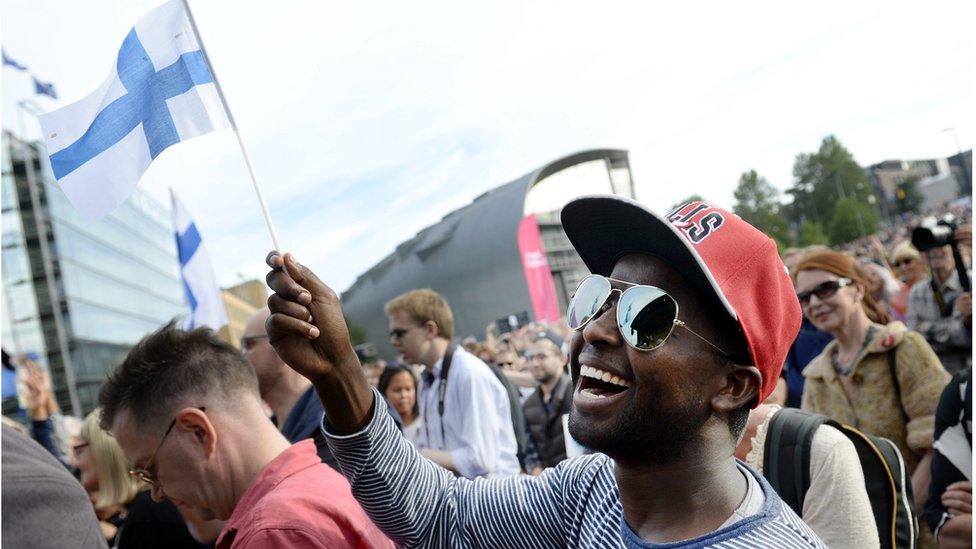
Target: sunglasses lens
<point x="587" y="301"/>
<point x="646" y="316"/>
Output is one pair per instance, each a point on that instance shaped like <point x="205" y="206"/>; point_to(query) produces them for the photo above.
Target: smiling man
<point x="185" y="409"/>
<point x="682" y="328"/>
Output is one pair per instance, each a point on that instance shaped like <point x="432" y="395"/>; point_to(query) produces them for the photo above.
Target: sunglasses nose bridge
<point x="603" y="326"/>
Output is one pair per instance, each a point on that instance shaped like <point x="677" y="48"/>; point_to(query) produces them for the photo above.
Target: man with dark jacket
<point x="544" y="409"/>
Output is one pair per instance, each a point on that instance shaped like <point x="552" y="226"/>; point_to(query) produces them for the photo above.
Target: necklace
<point x="846" y="370"/>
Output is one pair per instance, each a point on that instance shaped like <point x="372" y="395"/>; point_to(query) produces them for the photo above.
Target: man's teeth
<point x="603" y="375"/>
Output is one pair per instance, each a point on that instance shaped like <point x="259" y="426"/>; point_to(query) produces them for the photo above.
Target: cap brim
<point x="604" y="228"/>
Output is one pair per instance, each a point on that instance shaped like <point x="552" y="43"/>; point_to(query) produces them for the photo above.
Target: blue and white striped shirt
<point x="575" y="504"/>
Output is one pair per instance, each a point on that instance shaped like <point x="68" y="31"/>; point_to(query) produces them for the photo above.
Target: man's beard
<point x="642" y="432"/>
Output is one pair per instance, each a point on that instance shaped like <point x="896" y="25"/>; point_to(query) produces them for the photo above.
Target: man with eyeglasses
<point x="467" y="415"/>
<point x="186" y="412"/>
<point x="548" y="403"/>
<point x="663" y="393"/>
<point x="940" y="310"/>
<point x="297" y="410"/>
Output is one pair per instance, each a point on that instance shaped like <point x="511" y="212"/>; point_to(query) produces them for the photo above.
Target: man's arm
<point x="418" y="503"/>
<point x="414" y="501"/>
<point x="308" y="332"/>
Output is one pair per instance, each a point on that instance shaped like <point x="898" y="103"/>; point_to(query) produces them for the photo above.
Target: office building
<point x="79" y="294"/>
<point x="504" y="255"/>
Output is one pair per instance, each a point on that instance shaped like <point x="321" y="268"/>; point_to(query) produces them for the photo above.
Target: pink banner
<point x="538" y="277"/>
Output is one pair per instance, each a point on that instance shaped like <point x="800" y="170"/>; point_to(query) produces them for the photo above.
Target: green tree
<point x="811" y="233"/>
<point x="693" y="198"/>
<point x="757" y="202"/>
<point x="907" y="196"/>
<point x="824" y="178"/>
<point x="852" y="219"/>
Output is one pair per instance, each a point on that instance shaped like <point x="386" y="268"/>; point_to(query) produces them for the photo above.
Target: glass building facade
<point x="114" y="280"/>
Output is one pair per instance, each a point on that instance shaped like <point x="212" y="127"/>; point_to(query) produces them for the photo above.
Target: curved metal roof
<point x="470" y="257"/>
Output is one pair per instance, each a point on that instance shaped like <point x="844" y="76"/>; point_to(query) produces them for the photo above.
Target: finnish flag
<point x="160" y="92"/>
<point x="199" y="284"/>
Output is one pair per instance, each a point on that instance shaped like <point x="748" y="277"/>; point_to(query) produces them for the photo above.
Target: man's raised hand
<point x="306" y="326"/>
<point x="309" y="333"/>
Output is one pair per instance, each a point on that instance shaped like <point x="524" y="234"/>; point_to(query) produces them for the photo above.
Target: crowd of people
<point x="703" y="390"/>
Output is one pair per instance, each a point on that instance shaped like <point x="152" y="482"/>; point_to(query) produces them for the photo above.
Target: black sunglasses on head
<point x="823" y="290"/>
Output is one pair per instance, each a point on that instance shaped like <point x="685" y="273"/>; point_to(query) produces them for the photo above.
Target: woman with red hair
<point x="852" y="380"/>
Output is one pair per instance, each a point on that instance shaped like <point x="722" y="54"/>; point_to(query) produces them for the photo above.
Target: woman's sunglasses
<point x="646" y="316"/>
<point x="823" y="290"/>
<point x="902" y="262"/>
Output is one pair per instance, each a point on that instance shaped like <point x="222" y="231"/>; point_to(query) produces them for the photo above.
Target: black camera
<point x="934" y="233"/>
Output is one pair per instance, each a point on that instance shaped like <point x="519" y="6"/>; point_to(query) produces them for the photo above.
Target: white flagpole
<point x="233" y="124"/>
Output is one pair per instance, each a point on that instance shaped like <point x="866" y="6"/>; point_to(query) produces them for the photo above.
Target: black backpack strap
<point x="893" y="368"/>
<point x="786" y="454"/>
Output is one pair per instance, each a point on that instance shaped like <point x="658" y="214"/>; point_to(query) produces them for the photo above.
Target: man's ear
<point x="741" y="387"/>
<point x="432" y="329"/>
<point x="197" y="423"/>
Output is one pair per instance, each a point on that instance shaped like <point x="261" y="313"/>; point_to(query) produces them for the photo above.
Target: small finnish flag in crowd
<point x="160" y="92"/>
<point x="199" y="284"/>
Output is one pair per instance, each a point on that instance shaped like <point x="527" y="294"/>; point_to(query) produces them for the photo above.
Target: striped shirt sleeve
<point x="419" y="504"/>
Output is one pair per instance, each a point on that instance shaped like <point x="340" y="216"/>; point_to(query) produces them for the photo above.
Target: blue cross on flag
<point x="199" y="284"/>
<point x="11" y="63"/>
<point x="159" y="93"/>
<point x="44" y="88"/>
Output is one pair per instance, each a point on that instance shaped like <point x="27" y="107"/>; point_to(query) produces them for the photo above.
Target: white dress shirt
<point x="477" y="424"/>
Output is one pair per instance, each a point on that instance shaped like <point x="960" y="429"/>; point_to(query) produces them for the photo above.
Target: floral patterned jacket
<point x="873" y="405"/>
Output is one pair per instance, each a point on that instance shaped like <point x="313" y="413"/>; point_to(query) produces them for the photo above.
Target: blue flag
<point x="160" y="92"/>
<point x="199" y="284"/>
<point x="44" y="88"/>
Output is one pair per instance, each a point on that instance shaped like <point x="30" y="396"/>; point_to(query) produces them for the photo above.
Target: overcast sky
<point x="368" y="121"/>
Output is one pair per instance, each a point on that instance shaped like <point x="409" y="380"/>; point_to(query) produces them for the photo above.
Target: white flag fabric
<point x="160" y="92"/>
<point x="199" y="284"/>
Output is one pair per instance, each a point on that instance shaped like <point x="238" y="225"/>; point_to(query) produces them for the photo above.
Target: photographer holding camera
<point x="940" y="306"/>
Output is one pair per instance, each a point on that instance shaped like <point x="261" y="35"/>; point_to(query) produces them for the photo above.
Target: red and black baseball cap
<point x="731" y="262"/>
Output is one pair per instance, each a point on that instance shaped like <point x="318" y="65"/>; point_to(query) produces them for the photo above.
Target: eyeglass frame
<point x="398" y="333"/>
<point x="804" y="296"/>
<point x="606" y="306"/>
<point x="142" y="473"/>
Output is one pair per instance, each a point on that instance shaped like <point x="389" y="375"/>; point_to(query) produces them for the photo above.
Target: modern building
<point x="948" y="178"/>
<point x="961" y="165"/>
<point x="241" y="302"/>
<point x="504" y="255"/>
<point x="78" y="293"/>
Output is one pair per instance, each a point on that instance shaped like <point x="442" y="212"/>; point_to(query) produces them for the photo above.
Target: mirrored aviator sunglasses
<point x="646" y="315"/>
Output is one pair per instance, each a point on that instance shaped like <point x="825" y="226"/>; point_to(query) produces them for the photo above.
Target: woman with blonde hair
<point x="876" y="375"/>
<point x="137" y="521"/>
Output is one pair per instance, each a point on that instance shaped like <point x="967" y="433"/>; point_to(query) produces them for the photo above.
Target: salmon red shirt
<point x="298" y="501"/>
